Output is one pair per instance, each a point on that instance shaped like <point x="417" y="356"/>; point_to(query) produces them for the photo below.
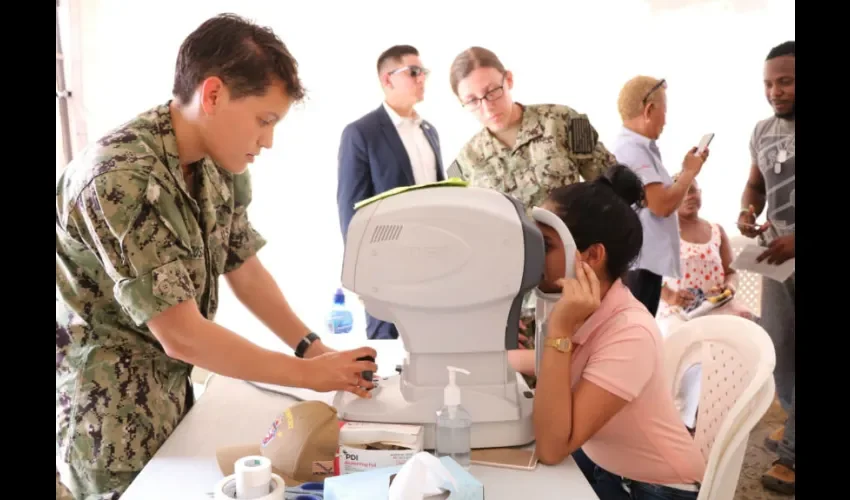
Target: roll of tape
<point x="275" y="489"/>
<point x="253" y="474"/>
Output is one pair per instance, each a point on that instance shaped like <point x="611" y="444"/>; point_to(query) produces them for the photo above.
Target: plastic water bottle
<point x="453" y="426"/>
<point x="340" y="319"/>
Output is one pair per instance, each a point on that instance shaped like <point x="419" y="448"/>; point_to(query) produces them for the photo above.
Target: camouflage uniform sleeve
<point x="587" y="151"/>
<point x="134" y="224"/>
<point x="245" y="241"/>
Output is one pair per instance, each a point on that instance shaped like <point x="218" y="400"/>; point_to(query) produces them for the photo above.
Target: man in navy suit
<point x="389" y="147"/>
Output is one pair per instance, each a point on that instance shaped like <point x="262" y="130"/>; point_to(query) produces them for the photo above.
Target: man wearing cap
<point x="147" y="220"/>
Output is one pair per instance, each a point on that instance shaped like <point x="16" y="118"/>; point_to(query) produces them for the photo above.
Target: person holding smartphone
<point x="642" y="105"/>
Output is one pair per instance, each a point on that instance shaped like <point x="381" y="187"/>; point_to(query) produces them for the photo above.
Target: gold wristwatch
<point x="562" y="344"/>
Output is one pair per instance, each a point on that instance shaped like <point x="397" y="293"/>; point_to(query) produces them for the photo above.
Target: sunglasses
<point x="415" y="71"/>
<point x="660" y="85"/>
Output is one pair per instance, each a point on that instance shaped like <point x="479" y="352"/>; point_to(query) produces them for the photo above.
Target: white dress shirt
<point x="422" y="158"/>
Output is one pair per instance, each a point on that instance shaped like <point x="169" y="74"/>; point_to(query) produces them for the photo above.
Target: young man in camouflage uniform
<point x="147" y="219"/>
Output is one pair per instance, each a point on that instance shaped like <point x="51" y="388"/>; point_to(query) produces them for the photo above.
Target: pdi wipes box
<point x="366" y="446"/>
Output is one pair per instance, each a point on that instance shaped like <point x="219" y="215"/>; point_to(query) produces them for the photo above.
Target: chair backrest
<point x="749" y="284"/>
<point x="737" y="358"/>
<point x="722" y="475"/>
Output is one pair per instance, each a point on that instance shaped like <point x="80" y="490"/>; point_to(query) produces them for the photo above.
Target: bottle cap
<point x="339" y="297"/>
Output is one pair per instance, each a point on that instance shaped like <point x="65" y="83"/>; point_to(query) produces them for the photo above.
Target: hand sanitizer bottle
<point x="340" y="319"/>
<point x="454" y="424"/>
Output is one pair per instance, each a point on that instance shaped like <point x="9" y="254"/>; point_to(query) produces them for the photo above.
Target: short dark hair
<point x="395" y="53"/>
<point x="783" y="49"/>
<point x="247" y="58"/>
<point x="603" y="211"/>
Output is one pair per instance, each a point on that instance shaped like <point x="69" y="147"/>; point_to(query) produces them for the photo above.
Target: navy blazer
<point x="372" y="159"/>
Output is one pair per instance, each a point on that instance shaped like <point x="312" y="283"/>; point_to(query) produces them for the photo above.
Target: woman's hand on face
<point x="580" y="297"/>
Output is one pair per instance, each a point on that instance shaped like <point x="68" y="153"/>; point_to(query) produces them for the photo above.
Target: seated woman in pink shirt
<point x="602" y="394"/>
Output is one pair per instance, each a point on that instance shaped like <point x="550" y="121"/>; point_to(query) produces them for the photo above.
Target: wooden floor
<point x="758" y="459"/>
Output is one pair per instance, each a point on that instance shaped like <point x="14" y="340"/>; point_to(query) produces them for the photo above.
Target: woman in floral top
<point x="706" y="256"/>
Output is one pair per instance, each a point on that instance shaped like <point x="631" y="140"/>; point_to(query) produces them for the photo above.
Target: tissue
<point x="376" y="483"/>
<point x="422" y="477"/>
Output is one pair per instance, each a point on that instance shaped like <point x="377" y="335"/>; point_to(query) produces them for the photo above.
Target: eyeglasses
<point x="491" y="96"/>
<point x="415" y="71"/>
<point x="660" y="85"/>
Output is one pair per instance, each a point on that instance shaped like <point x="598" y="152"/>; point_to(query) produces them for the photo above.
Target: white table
<point x="233" y="412"/>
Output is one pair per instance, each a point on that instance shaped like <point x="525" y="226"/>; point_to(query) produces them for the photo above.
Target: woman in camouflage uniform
<point x="524" y="151"/>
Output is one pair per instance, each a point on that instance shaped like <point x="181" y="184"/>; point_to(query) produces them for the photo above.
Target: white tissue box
<point x="352" y="455"/>
<point x="375" y="484"/>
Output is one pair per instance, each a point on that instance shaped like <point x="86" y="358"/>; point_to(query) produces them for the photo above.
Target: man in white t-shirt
<point x="389" y="147"/>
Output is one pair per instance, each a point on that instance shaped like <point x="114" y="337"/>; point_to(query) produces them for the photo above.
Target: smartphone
<point x="704" y="142"/>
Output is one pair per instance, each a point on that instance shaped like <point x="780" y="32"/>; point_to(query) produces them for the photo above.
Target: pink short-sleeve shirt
<point x="620" y="349"/>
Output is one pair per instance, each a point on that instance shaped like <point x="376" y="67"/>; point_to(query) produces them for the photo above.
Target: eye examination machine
<point x="449" y="265"/>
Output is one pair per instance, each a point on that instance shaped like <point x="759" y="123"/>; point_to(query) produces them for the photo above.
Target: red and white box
<point x="365" y="446"/>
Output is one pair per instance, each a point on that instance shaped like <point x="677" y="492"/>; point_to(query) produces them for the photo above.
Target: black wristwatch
<point x="305" y="344"/>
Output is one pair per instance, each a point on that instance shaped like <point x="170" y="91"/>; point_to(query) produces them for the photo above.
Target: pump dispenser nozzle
<point x="454" y="424"/>
<point x="451" y="394"/>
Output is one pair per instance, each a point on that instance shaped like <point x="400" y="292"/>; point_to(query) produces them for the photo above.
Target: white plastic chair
<point x="749" y="284"/>
<point x="737" y="388"/>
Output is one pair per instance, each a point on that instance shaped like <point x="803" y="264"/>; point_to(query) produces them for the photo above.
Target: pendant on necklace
<point x="780" y="159"/>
